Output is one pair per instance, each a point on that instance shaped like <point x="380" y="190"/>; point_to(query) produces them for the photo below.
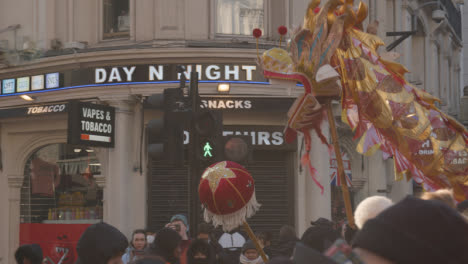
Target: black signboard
<point x="34" y="110"/>
<point x="91" y="124"/>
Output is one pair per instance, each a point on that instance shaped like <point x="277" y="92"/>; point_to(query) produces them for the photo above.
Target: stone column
<point x="14" y="183"/>
<point x="119" y="208"/>
<point x="311" y="204"/>
<point x="319" y="204"/>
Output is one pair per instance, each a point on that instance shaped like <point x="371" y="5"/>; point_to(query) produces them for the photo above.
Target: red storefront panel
<point x="56" y="240"/>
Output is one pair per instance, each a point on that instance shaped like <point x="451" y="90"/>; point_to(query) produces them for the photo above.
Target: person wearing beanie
<point x="101" y="244"/>
<point x="370" y="208"/>
<point x="320" y="235"/>
<point x="249" y="254"/>
<point x="29" y="254"/>
<point x="166" y="245"/>
<point x="414" y="231"/>
<point x="201" y="252"/>
<point x="180" y="224"/>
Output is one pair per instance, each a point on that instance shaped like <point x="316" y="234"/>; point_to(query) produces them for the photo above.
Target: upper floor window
<point x="116" y="19"/>
<point x="239" y="17"/>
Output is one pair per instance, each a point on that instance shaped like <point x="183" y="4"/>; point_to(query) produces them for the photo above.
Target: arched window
<point x="59" y="186"/>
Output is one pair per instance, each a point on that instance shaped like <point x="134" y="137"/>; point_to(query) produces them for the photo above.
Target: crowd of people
<point x="430" y="229"/>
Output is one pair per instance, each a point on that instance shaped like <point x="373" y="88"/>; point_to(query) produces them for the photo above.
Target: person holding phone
<point x="138" y="244"/>
<point x="179" y="223"/>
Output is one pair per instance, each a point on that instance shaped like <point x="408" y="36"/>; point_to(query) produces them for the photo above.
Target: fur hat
<point x="416" y="231"/>
<point x="370" y="208"/>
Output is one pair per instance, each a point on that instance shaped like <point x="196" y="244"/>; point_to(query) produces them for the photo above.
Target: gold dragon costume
<point x="334" y="58"/>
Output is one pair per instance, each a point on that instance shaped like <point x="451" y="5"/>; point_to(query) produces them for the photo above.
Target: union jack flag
<point x="335" y="180"/>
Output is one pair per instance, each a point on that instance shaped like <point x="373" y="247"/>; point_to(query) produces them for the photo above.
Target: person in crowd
<point x="206" y="232"/>
<point x="370" y="208"/>
<point x="348" y="232"/>
<point x="414" y="231"/>
<point x="231" y="244"/>
<point x="101" y="244"/>
<point x="304" y="254"/>
<point x="149" y="260"/>
<point x="29" y="254"/>
<point x="286" y="244"/>
<point x="150" y="235"/>
<point x="166" y="245"/>
<point x="137" y="246"/>
<point x="201" y="252"/>
<point x="264" y="239"/>
<point x="180" y="224"/>
<point x="280" y="260"/>
<point x="250" y="254"/>
<point x="320" y="235"/>
<point x="444" y="195"/>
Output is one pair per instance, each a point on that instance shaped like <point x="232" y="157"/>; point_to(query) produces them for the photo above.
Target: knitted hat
<point x="99" y="243"/>
<point x="248" y="245"/>
<point x="370" y="208"/>
<point x="182" y="218"/>
<point x="416" y="231"/>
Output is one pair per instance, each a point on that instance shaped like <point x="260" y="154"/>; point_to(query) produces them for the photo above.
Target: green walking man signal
<point x="207" y="150"/>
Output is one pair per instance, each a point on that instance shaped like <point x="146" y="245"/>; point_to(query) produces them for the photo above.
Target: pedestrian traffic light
<point x="208" y="126"/>
<point x="165" y="134"/>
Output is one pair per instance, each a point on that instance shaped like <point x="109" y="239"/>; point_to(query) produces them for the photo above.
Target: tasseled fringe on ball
<point x="234" y="220"/>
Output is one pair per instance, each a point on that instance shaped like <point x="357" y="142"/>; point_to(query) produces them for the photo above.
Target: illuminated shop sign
<point x="37" y="82"/>
<point x="131" y="74"/>
<point x="25" y="84"/>
<point x="22" y="84"/>
<point x="34" y="110"/>
<point x="8" y="86"/>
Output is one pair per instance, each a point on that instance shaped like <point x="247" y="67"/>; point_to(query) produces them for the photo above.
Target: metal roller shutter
<point x="274" y="188"/>
<point x="167" y="194"/>
<point x="272" y="172"/>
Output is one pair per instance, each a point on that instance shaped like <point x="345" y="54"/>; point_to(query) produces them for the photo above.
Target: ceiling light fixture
<point x="27" y="97"/>
<point x="224" y="87"/>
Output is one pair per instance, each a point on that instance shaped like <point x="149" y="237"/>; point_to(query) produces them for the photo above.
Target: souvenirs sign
<point x="91" y="124"/>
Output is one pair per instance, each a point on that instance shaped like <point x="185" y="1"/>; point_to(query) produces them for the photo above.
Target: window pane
<point x="239" y="17"/>
<point x="116" y="19"/>
<point x="59" y="186"/>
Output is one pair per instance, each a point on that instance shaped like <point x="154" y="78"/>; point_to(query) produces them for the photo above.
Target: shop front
<point x="64" y="168"/>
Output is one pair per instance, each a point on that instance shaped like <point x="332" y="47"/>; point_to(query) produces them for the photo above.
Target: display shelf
<point x="81" y="221"/>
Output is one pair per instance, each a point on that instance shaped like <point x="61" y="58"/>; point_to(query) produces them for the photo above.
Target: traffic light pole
<point x="194" y="168"/>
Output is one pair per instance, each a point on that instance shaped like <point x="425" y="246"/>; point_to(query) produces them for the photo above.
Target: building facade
<point x="118" y="52"/>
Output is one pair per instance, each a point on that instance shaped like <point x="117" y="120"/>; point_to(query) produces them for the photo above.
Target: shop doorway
<point x="59" y="199"/>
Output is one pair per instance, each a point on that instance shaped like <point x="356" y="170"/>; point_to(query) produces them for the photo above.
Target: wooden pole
<point x="255" y="240"/>
<point x="340" y="170"/>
